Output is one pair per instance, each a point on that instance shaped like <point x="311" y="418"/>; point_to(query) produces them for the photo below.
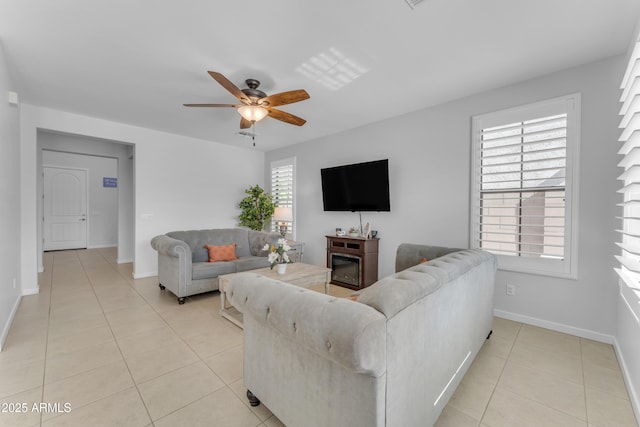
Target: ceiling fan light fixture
<point x="255" y="104"/>
<point x="253" y="113"/>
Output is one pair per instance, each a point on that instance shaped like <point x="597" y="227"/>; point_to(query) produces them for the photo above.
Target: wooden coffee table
<point x="299" y="274"/>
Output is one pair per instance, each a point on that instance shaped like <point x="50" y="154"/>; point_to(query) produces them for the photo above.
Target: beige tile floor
<point x="120" y="352"/>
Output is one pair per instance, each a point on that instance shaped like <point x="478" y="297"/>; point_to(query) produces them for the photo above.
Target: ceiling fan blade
<point x="284" y="98"/>
<point x="244" y="123"/>
<point x="286" y="117"/>
<point x="212" y="105"/>
<point x="226" y="83"/>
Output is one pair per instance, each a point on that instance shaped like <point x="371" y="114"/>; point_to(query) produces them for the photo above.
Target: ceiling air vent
<point x="413" y="3"/>
<point x="247" y="134"/>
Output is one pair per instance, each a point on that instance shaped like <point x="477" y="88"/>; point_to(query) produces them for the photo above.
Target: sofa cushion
<point x="222" y="253"/>
<point x="257" y="240"/>
<point x="207" y="270"/>
<point x="196" y="239"/>
<point x="251" y="263"/>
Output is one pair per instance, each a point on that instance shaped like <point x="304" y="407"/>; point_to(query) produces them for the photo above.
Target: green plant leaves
<point x="257" y="208"/>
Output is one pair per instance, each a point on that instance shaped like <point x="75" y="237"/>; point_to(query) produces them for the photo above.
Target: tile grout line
<point x="115" y="340"/>
<point x="75" y="252"/>
<point x="601" y="389"/>
<point x="108" y="325"/>
<point x="544" y="371"/>
<point x="484" y="411"/>
<point x="46" y="341"/>
<point x="200" y="360"/>
<point x="583" y="386"/>
<point x="53" y="262"/>
<point x="584" y="383"/>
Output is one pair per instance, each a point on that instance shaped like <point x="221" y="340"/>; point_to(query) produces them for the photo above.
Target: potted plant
<point x="257" y="208"/>
<point x="278" y="255"/>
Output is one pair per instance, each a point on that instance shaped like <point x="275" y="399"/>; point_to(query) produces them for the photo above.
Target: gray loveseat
<point x="183" y="265"/>
<point x="393" y="358"/>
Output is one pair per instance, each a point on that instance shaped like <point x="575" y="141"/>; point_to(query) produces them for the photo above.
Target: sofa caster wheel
<point x="162" y="287"/>
<point x="181" y="300"/>
<point x="490" y="332"/>
<point x="253" y="400"/>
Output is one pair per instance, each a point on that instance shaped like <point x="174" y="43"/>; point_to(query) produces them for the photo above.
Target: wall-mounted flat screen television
<point x="357" y="187"/>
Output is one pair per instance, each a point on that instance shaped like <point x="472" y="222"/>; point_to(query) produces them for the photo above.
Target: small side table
<point x="296" y="253"/>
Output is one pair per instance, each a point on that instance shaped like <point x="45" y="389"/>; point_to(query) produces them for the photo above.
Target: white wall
<point x="429" y="162"/>
<point x="104" y="224"/>
<point x="180" y="182"/>
<point x="10" y="207"/>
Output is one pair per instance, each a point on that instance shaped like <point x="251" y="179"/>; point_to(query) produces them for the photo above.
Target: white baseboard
<point x="101" y="246"/>
<point x="30" y="291"/>
<point x="124" y="261"/>
<point x="558" y="327"/>
<point x="143" y="275"/>
<point x="633" y="394"/>
<point x="7" y="326"/>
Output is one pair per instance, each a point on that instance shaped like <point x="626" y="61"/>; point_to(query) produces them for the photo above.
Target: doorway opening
<point x="109" y="203"/>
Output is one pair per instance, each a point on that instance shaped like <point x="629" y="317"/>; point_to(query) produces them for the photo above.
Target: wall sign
<point x="110" y="182"/>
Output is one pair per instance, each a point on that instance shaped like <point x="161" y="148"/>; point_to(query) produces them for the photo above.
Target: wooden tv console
<point x="353" y="261"/>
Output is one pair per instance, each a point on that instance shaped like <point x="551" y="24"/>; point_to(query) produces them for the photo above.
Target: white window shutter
<point x="629" y="242"/>
<point x="524" y="164"/>
<point x="282" y="189"/>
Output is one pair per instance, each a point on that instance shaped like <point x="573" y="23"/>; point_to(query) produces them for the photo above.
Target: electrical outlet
<point x="14" y="283"/>
<point x="511" y="289"/>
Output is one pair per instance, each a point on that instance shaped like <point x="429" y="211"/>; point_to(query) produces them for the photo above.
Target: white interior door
<point x="65" y="208"/>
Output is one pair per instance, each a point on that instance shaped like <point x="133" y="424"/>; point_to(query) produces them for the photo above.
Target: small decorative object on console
<point x="278" y="253"/>
<point x="366" y="231"/>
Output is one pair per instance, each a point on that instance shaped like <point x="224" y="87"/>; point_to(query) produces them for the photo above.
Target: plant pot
<point x="282" y="268"/>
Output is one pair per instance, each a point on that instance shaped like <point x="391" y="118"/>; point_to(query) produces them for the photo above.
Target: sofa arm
<point x="166" y="245"/>
<point x="174" y="264"/>
<point x="346" y="332"/>
<point x="410" y="254"/>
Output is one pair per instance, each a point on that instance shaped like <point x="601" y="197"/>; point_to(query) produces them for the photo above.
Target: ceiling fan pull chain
<point x="253" y="136"/>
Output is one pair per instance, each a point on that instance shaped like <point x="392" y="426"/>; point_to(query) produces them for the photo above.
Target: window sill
<point x="536" y="267"/>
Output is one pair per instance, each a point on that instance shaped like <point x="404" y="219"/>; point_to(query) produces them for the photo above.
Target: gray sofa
<point x="393" y="358"/>
<point x="183" y="265"/>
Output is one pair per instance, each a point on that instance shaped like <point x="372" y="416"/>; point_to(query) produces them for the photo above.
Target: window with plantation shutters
<point x="282" y="191"/>
<point x="523" y="168"/>
<point x="629" y="243"/>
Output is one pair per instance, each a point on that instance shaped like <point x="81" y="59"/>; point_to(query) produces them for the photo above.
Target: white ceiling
<point x="138" y="61"/>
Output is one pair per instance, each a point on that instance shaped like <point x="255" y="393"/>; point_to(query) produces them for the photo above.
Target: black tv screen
<point x="357" y="187"/>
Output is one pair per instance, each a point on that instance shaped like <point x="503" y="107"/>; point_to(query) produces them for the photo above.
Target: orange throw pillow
<point x="222" y="253"/>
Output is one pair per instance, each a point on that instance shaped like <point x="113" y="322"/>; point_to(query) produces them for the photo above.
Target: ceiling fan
<point x="255" y="104"/>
